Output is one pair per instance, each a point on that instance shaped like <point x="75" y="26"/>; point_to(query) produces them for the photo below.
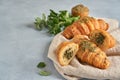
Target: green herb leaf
<point x="40" y="23"/>
<point x="41" y="65"/>
<point x="44" y="73"/>
<point x="55" y="22"/>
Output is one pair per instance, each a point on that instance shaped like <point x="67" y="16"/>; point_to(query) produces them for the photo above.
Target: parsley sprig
<point x="41" y="65"/>
<point x="55" y="22"/>
<point x="42" y="72"/>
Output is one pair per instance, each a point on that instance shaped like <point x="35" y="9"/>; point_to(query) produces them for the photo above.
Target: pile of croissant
<point x="84" y="26"/>
<point x="89" y="40"/>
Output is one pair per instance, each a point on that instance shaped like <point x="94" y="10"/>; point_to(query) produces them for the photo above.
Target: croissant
<point x="84" y="26"/>
<point x="102" y="39"/>
<point x="66" y="51"/>
<point x="91" y="54"/>
<point x="76" y="39"/>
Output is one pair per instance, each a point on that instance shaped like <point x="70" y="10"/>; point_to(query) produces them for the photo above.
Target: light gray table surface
<point x="22" y="47"/>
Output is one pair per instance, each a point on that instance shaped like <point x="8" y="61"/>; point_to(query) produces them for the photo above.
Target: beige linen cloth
<point x="75" y="70"/>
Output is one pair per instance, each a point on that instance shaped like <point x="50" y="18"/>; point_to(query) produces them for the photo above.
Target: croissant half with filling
<point x="91" y="54"/>
<point x="84" y="26"/>
<point x="102" y="39"/>
<point x="66" y="51"/>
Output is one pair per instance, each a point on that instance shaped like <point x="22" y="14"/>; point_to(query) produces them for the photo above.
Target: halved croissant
<point x="102" y="39"/>
<point x="66" y="51"/>
<point x="84" y="26"/>
<point x="91" y="54"/>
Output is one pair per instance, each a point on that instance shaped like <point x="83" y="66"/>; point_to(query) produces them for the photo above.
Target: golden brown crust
<point x="102" y="24"/>
<point x="95" y="23"/>
<point x="84" y="26"/>
<point x="92" y="55"/>
<point x="102" y="39"/>
<point x="66" y="52"/>
<point x="75" y="31"/>
<point x="68" y="32"/>
<point x="79" y="27"/>
<point x="90" y="25"/>
<point x="89" y="52"/>
<point x="77" y="38"/>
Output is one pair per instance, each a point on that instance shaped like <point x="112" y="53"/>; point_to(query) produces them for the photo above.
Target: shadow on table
<point x="31" y="25"/>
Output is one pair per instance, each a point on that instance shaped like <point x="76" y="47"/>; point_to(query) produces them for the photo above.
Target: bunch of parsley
<point x="55" y="22"/>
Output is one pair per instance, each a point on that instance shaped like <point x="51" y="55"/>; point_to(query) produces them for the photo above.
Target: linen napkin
<point x="75" y="70"/>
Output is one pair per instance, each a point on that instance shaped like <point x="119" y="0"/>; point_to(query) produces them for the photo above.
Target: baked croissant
<point x="66" y="51"/>
<point x="84" y="26"/>
<point x="102" y="39"/>
<point x="91" y="54"/>
<point x="76" y="39"/>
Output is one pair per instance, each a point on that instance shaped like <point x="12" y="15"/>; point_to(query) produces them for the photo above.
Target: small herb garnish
<point x="99" y="38"/>
<point x="44" y="73"/>
<point x="40" y="23"/>
<point x="41" y="65"/>
<point x="86" y="45"/>
<point x="84" y="20"/>
<point x="68" y="53"/>
<point x="55" y="22"/>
